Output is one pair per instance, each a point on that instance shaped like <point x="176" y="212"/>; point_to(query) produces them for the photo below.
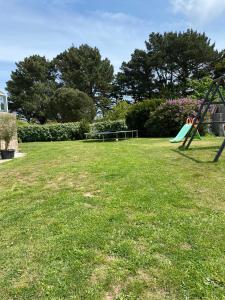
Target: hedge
<point x="65" y="131"/>
<point x="117" y="125"/>
<point x="53" y="132"/>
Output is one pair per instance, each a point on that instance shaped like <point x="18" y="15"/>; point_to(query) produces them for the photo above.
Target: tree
<point x="219" y="66"/>
<point x="163" y="69"/>
<point x="31" y="87"/>
<point x="118" y="111"/>
<point x="178" y="56"/>
<point x="71" y="105"/>
<point x="83" y="68"/>
<point x="199" y="88"/>
<point x="136" y="77"/>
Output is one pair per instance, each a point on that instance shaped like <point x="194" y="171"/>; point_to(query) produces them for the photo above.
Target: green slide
<point x="181" y="134"/>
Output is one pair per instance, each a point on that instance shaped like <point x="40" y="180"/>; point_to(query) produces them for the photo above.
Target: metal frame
<point x="208" y="101"/>
<point x="102" y="135"/>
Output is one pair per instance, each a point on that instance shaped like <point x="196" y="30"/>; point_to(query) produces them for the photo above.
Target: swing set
<point x="213" y="97"/>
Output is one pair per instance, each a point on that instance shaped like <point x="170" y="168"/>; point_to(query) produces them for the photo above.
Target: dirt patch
<point x="114" y="294"/>
<point x="62" y="181"/>
<point x="162" y="258"/>
<point x="24" y="281"/>
<point x="88" y="194"/>
<point x="141" y="276"/>
<point x="110" y="259"/>
<point x="156" y="295"/>
<point x="83" y="175"/>
<point x="91" y="194"/>
<point x="144" y="276"/>
<point x="185" y="246"/>
<point x="99" y="275"/>
<point x="88" y="205"/>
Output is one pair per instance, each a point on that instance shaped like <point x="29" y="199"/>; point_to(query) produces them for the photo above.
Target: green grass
<point x="127" y="220"/>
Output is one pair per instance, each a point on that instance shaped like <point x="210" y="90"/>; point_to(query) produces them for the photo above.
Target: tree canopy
<point x="84" y="69"/>
<point x="71" y="105"/>
<point x="31" y="87"/>
<point x="170" y="66"/>
<point x="163" y="69"/>
<point x="34" y="83"/>
<point x="136" y="77"/>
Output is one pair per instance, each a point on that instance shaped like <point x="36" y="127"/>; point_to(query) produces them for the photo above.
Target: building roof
<point x="2" y="94"/>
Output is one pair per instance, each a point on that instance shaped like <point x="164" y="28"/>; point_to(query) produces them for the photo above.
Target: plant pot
<point x="8" y="154"/>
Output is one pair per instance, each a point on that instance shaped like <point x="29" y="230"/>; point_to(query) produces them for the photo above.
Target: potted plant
<point x="7" y="133"/>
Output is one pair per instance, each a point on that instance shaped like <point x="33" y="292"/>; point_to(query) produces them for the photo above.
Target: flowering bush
<point x="169" y="117"/>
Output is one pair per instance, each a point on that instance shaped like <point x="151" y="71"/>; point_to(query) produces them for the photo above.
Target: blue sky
<point x="116" y="27"/>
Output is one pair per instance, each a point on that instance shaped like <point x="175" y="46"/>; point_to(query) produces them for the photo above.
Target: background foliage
<point x="169" y="117"/>
<point x="70" y="105"/>
<point x="116" y="125"/>
<point x="79" y="84"/>
<point x="53" y="132"/>
<point x="118" y="111"/>
<point x="138" y="115"/>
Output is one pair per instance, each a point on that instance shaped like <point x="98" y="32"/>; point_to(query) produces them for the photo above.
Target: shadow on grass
<point x="200" y="148"/>
<point x="184" y="154"/>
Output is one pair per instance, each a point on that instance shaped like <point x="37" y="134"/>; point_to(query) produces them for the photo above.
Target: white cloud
<point x="31" y="30"/>
<point x="200" y="11"/>
<point x="28" y="28"/>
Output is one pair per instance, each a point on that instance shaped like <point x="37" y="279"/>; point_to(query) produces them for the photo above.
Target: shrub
<point x="168" y="118"/>
<point x="117" y="125"/>
<point x="84" y="127"/>
<point x="198" y="88"/>
<point x="53" y="132"/>
<point x="22" y="123"/>
<point x="7" y="128"/>
<point x="138" y="115"/>
<point x="72" y="105"/>
<point x="118" y="111"/>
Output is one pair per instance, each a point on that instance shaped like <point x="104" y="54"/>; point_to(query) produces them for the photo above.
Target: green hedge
<point x="138" y="115"/>
<point x="117" y="125"/>
<point x="53" y="132"/>
<point x="65" y="131"/>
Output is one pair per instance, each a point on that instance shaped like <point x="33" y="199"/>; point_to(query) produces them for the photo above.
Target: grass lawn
<point x="127" y="220"/>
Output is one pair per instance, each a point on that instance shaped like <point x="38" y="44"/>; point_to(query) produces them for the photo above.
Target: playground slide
<point x="181" y="134"/>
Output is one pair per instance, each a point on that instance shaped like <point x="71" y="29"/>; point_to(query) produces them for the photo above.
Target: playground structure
<point x="214" y="96"/>
<point x="112" y="135"/>
<point x="184" y="131"/>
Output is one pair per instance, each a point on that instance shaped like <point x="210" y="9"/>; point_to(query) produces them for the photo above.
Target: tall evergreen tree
<point x="177" y="57"/>
<point x="84" y="69"/>
<point x="31" y="87"/>
<point x="219" y="65"/>
<point x="163" y="69"/>
<point x="136" y="77"/>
